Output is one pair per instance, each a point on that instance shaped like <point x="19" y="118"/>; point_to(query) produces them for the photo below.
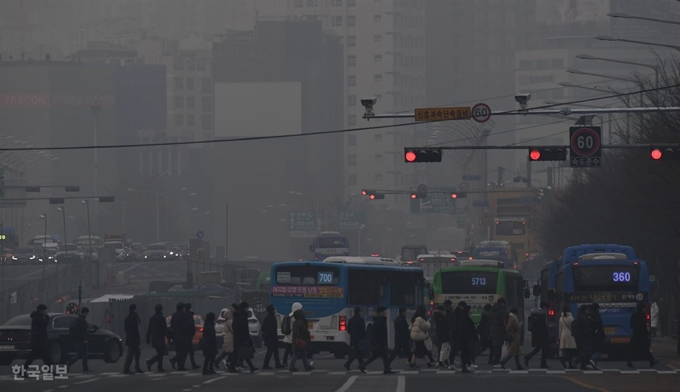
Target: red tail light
<point x="453" y="260"/>
<point x="551" y="312"/>
<point x="375" y="255"/>
<point x="343" y="324"/>
<point x="648" y="316"/>
<point x="514" y="266"/>
<point x="200" y="329"/>
<point x="421" y="260"/>
<point x="576" y="264"/>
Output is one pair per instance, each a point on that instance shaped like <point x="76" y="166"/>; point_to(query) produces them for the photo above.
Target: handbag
<point x="300" y="344"/>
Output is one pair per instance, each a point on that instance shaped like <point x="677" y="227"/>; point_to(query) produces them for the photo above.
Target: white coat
<point x="567" y="341"/>
<point x="654" y="315"/>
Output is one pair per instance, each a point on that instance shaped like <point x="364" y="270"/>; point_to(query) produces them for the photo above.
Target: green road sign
<point x="302" y="221"/>
<point x="438" y="200"/>
<point x="351" y="220"/>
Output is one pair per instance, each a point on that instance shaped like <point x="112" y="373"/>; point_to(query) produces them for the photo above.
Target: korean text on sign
<point x="307" y="291"/>
<point x="435" y="114"/>
<point x="47" y="372"/>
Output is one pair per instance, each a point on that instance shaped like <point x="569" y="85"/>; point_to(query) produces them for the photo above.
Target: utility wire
<point x="297" y="135"/>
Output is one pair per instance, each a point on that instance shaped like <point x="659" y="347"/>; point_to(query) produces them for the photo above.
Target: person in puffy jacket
<point x="228" y="342"/>
<point x="301" y="340"/>
<point x="512" y="329"/>
<point x="39" y="322"/>
<point x="419" y="335"/>
<point x="287" y="323"/>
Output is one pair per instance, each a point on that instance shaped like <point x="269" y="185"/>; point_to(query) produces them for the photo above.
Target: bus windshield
<point x="506" y="228"/>
<point x="469" y="282"/>
<point x="606" y="278"/>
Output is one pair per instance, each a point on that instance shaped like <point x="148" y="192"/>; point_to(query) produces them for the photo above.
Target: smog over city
<point x="320" y="165"/>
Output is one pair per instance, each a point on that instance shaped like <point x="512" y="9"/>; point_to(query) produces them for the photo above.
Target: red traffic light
<point x="372" y="197"/>
<point x="414" y="196"/>
<point x="535" y="155"/>
<point x="454" y="195"/>
<point x="410" y="156"/>
<point x="364" y="193"/>
<point x="656" y="154"/>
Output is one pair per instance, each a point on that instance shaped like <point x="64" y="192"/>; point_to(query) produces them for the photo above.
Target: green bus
<point x="263" y="282"/>
<point x="480" y="282"/>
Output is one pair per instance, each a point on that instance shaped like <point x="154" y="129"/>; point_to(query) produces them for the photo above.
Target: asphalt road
<point x="330" y="376"/>
<point x="16" y="275"/>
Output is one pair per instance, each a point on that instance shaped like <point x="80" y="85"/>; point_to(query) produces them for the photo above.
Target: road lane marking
<point x="87" y="381"/>
<point x="401" y="384"/>
<point x="109" y="373"/>
<point x="131" y="267"/>
<point x="186" y="390"/>
<point x="213" y="380"/>
<point x="347" y="384"/>
<point x="196" y="386"/>
<point x="585" y="385"/>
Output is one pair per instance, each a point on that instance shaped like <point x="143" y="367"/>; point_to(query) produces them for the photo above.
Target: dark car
<point x="157" y="252"/>
<point x="15" y="336"/>
<point x="27" y="255"/>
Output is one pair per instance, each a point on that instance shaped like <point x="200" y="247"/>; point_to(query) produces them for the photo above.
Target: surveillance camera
<point x="523" y="99"/>
<point x="368" y="103"/>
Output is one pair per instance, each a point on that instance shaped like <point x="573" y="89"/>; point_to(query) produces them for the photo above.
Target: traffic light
<point x="418" y="195"/>
<point x="540" y="154"/>
<point x="422" y="155"/>
<point x="665" y="154"/>
<point x="376" y="196"/>
<point x="366" y="192"/>
<point x="459" y="195"/>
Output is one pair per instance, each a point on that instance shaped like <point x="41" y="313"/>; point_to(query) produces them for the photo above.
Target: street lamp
<point x="63" y="214"/>
<point x="580" y="72"/>
<point x="654" y="67"/>
<point x="89" y="230"/>
<point x="623" y="15"/>
<point x="44" y="217"/>
<point x="615" y="39"/>
<point x="609" y="115"/>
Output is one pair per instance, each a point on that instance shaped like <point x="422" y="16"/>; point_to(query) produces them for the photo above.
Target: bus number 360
<point x="621" y="277"/>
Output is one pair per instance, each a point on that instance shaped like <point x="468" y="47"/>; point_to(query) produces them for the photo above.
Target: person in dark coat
<point x="540" y="340"/>
<point x="243" y="343"/>
<point x="583" y="328"/>
<point x="209" y="344"/>
<point x="178" y="331"/>
<point x="483" y="330"/>
<point x="40" y="319"/>
<point x="271" y="338"/>
<point x="379" y="342"/>
<point x="639" y="343"/>
<point x="301" y="341"/>
<point x="457" y="318"/>
<point x="598" y="339"/>
<point x="442" y="331"/>
<point x="190" y="328"/>
<point x="402" y="338"/>
<point x="132" y="340"/>
<point x="79" y="333"/>
<point x="356" y="328"/>
<point x="468" y="339"/>
<point x="497" y="329"/>
<point x="155" y="336"/>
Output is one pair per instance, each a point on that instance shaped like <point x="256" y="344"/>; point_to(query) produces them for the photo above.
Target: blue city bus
<point x="608" y="274"/>
<point x="328" y="244"/>
<point x="498" y="253"/>
<point x="330" y="290"/>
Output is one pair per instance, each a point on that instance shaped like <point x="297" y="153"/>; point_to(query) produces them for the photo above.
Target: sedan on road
<point x="157" y="252"/>
<point x="15" y="340"/>
<point x="27" y="255"/>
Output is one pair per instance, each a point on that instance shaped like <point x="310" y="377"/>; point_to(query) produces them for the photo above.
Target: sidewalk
<point x="665" y="348"/>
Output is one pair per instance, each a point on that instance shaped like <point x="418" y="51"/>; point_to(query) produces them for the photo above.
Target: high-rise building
<point x="384" y="43"/>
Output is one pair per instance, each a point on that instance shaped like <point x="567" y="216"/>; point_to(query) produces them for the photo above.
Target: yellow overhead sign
<point x="435" y="114"/>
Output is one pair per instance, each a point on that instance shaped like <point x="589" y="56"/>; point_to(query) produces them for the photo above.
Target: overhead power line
<point x="317" y="133"/>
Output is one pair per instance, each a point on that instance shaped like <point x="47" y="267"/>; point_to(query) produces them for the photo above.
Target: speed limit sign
<point x="481" y="112"/>
<point x="585" y="144"/>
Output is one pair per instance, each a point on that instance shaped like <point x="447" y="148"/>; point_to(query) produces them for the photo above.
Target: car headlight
<point x="172" y="253"/>
<point x="14" y="258"/>
<point x="165" y="256"/>
<point x="32" y="257"/>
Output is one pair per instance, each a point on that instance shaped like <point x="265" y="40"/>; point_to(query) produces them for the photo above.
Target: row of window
<point x="200" y="64"/>
<point x="398" y="60"/>
<point x="190" y="120"/>
<point x="206" y="103"/>
<point x="189" y="84"/>
<point x="352" y="159"/>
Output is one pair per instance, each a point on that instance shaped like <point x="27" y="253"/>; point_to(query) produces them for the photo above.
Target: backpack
<point x="285" y="326"/>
